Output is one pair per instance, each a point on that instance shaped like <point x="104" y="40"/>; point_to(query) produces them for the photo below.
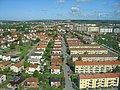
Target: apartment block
<point x="95" y="67"/>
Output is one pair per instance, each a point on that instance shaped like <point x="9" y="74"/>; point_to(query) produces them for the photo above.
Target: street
<point x="66" y="68"/>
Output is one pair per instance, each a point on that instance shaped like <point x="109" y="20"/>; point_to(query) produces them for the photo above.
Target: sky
<point x="60" y="9"/>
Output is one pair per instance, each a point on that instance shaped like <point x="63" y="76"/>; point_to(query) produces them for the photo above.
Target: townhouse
<point x="56" y="51"/>
<point x="54" y="56"/>
<point x="94" y="57"/>
<point x="88" y="51"/>
<point x="90" y="81"/>
<point x="95" y="67"/>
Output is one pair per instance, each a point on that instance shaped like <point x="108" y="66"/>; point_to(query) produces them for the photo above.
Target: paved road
<point x="68" y="83"/>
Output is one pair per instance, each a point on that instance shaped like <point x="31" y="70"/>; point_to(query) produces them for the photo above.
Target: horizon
<point x="26" y="10"/>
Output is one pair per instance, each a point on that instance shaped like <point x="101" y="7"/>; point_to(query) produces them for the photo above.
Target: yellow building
<point x="98" y="80"/>
<point x="88" y="51"/>
<point x="95" y="67"/>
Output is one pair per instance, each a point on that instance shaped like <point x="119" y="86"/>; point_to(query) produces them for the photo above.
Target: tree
<point x="79" y="58"/>
<point x="36" y="73"/>
<point x="12" y="46"/>
<point x="117" y="69"/>
<point x="26" y="64"/>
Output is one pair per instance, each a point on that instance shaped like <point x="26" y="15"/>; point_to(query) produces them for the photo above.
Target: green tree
<point x="79" y="58"/>
<point x="117" y="69"/>
<point x="26" y="64"/>
<point x="36" y="73"/>
<point x="12" y="46"/>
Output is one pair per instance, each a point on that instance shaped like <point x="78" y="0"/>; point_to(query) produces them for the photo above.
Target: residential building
<point x="88" y="51"/>
<point x="94" y="57"/>
<point x="55" y="69"/>
<point x="31" y="82"/>
<point x="18" y="67"/>
<point x="55" y="82"/>
<point x="98" y="80"/>
<point x="6" y="57"/>
<point x="5" y="64"/>
<point x="15" y="58"/>
<point x="56" y="62"/>
<point x="93" y="29"/>
<point x="95" y="67"/>
<point x="2" y="78"/>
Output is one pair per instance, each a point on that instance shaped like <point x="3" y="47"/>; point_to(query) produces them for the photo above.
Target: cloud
<point x="117" y="4"/>
<point x="60" y="1"/>
<point x="82" y="0"/>
<point x="75" y="9"/>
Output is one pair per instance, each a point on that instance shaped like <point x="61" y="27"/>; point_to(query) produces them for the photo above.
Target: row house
<point x="88" y="51"/>
<point x="95" y="67"/>
<point x="94" y="57"/>
<point x="57" y="45"/>
<point x="36" y="55"/>
<point x="41" y="47"/>
<point x="90" y="81"/>
<point x="34" y="60"/>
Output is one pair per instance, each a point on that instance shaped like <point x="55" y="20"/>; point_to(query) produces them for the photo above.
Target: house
<point x="55" y="82"/>
<point x="18" y="67"/>
<point x="56" y="62"/>
<point x="55" y="69"/>
<point x="54" y="56"/>
<point x="31" y="82"/>
<point x="34" y="60"/>
<point x="56" y="51"/>
<point x="102" y="80"/>
<point x="5" y="64"/>
<point x="43" y="47"/>
<point x="32" y="68"/>
<point x="95" y="67"/>
<point x="2" y="78"/>
<point x="3" y="46"/>
<point x="15" y="58"/>
<point x="36" y="55"/>
<point x="6" y="57"/>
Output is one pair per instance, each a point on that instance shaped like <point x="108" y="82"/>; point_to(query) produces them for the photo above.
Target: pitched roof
<point x="55" y="67"/>
<point x="32" y="79"/>
<point x="18" y="65"/>
<point x="6" y="63"/>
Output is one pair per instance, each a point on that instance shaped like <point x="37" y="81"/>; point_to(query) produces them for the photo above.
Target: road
<point x="66" y="68"/>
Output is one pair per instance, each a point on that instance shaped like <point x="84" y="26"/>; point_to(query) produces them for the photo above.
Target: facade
<point x="95" y="67"/>
<point x="98" y="80"/>
<point x="55" y="82"/>
<point x="15" y="58"/>
<point x="106" y="29"/>
<point x="55" y="69"/>
<point x="32" y="68"/>
<point x="95" y="57"/>
<point x="31" y="82"/>
<point x="18" y="67"/>
<point x="56" y="62"/>
<point x="88" y="51"/>
<point x="93" y="29"/>
<point x="6" y="57"/>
